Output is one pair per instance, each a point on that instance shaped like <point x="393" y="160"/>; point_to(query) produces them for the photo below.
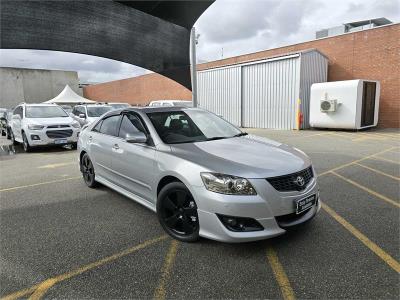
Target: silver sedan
<point x="203" y="176"/>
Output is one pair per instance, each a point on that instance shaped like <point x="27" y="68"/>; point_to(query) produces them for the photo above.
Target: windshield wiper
<point x="240" y="134"/>
<point x="216" y="138"/>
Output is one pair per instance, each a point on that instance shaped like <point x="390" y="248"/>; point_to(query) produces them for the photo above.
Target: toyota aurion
<point x="203" y="176"/>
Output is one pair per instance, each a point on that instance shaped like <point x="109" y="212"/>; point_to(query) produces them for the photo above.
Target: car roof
<point x="40" y="104"/>
<point x="151" y="109"/>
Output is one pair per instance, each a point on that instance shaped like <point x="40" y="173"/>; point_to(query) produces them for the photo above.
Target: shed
<point x="263" y="93"/>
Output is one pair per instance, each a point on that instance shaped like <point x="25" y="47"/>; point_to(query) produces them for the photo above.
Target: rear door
<point x="134" y="163"/>
<point x="368" y="104"/>
<point x="102" y="140"/>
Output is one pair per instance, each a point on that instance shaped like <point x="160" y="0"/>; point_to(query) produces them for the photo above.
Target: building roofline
<point x="199" y="66"/>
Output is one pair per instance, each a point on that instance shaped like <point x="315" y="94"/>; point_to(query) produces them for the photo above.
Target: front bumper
<point x="44" y="140"/>
<point x="266" y="207"/>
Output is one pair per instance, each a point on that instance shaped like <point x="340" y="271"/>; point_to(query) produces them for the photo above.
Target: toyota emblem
<point x="299" y="180"/>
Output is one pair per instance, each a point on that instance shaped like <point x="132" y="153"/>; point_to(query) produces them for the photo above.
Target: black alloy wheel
<point x="177" y="212"/>
<point x="87" y="170"/>
<point x="25" y="143"/>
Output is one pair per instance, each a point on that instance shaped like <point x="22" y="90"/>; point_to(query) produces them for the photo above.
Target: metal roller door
<point x="269" y="93"/>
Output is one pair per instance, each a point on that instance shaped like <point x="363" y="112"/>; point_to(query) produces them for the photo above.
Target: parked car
<point x="42" y="125"/>
<point x="118" y="105"/>
<point x="169" y="103"/>
<point x="3" y="122"/>
<point x="202" y="175"/>
<point x="87" y="113"/>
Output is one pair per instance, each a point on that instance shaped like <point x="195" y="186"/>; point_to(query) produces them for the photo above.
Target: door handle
<point x="116" y="147"/>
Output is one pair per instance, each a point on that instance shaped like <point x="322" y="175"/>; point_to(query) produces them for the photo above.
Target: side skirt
<point x="126" y="193"/>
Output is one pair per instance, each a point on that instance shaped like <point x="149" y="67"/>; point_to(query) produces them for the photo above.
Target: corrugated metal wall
<point x="269" y="94"/>
<point x="219" y="91"/>
<point x="263" y="94"/>
<point x="314" y="69"/>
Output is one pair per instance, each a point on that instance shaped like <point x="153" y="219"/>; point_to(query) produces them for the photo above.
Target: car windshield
<point x="189" y="126"/>
<point x="45" y="112"/>
<point x="97" y="111"/>
<point x="118" y="106"/>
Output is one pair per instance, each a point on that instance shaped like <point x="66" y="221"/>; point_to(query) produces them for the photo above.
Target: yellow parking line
<point x="377" y="171"/>
<point x="41" y="288"/>
<point x="160" y="292"/>
<point x="37" y="184"/>
<point x="355" y="161"/>
<point x="384" y="198"/>
<point x="280" y="275"/>
<point x="394" y="264"/>
<point x="53" y="166"/>
<point x="386" y="159"/>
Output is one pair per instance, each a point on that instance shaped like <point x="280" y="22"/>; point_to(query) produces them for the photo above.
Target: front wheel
<point x="177" y="212"/>
<point x="87" y="170"/>
<point x="25" y="143"/>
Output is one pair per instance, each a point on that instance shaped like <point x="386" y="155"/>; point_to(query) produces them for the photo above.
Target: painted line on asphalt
<point x="38" y="184"/>
<point x="280" y="275"/>
<point x="58" y="165"/>
<point x="356" y="161"/>
<point x="160" y="293"/>
<point x="386" y="159"/>
<point x="394" y="264"/>
<point x="41" y="288"/>
<point x="378" y="171"/>
<point x="376" y="194"/>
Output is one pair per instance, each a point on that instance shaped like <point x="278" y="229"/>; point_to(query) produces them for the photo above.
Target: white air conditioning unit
<point x="349" y="104"/>
<point x="327" y="106"/>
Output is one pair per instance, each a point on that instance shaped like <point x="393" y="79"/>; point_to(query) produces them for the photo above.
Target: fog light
<point x="240" y="224"/>
<point x="35" y="137"/>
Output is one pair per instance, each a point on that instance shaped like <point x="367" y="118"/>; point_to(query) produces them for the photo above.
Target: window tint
<point x="130" y="124"/>
<point x="97" y="127"/>
<point x="109" y="125"/>
<point x="18" y="111"/>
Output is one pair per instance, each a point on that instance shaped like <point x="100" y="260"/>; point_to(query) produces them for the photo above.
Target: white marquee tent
<point x="68" y="96"/>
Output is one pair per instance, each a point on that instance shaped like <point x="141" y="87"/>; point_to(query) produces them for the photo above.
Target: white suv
<point x="43" y="125"/>
<point x="88" y="113"/>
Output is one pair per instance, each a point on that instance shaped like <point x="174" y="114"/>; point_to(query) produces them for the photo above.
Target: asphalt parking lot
<point x="60" y="239"/>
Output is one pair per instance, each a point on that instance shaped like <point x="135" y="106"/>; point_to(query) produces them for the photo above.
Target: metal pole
<point x="193" y="65"/>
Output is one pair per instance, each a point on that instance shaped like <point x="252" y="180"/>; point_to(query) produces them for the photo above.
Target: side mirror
<point x="136" y="138"/>
<point x="82" y="116"/>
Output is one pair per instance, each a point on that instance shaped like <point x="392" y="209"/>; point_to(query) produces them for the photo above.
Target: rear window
<point x="44" y="112"/>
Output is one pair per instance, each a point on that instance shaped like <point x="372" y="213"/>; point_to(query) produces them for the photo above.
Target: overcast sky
<point x="236" y="26"/>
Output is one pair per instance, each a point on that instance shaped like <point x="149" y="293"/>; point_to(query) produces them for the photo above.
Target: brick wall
<point x="369" y="54"/>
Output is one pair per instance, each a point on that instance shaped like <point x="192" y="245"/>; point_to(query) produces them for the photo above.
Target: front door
<point x="134" y="163"/>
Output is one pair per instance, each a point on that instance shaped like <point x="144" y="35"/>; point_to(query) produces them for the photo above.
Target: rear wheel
<point x="25" y="143"/>
<point x="177" y="212"/>
<point x="87" y="170"/>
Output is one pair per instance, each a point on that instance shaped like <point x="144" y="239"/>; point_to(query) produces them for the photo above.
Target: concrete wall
<point x="368" y="54"/>
<point x="34" y="86"/>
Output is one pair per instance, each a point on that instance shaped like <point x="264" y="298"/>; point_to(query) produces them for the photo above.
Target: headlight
<point x="75" y="124"/>
<point x="227" y="184"/>
<point x="35" y="127"/>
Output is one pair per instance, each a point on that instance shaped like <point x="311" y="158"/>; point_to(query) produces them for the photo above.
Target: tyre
<point x="87" y="170"/>
<point x="8" y="134"/>
<point x="12" y="138"/>
<point x="177" y="212"/>
<point x="25" y="143"/>
<point x="74" y="145"/>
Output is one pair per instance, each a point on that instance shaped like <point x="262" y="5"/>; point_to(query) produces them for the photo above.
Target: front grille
<point x="287" y="183"/>
<point x="58" y="126"/>
<point x="58" y="134"/>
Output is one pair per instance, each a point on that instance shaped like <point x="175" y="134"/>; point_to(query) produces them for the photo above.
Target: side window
<point x="109" y="125"/>
<point x="18" y="111"/>
<point x="130" y="124"/>
<point x="97" y="127"/>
